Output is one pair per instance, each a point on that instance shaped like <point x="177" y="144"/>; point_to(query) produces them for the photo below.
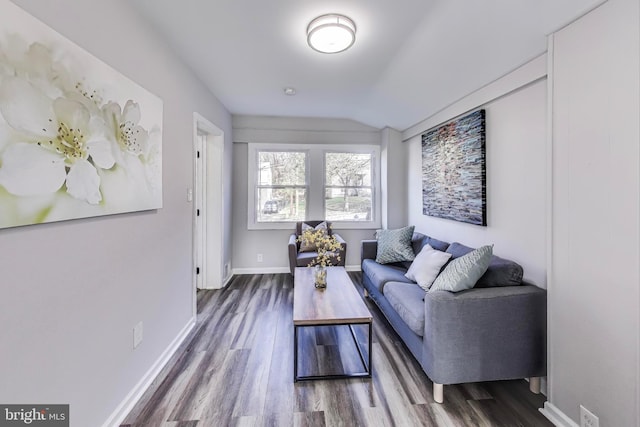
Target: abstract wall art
<point x="77" y="138"/>
<point x="454" y="171"/>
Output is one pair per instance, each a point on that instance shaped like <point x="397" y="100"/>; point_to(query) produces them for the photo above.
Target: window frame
<point x="315" y="174"/>
<point x="374" y="222"/>
<point x="255" y="186"/>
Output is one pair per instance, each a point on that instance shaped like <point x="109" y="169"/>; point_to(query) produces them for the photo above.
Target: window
<point x="347" y="184"/>
<point x="297" y="182"/>
<point x="282" y="186"/>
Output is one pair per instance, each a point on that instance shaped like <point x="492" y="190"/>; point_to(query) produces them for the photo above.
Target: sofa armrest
<point x="293" y="253"/>
<point x="368" y="250"/>
<point x="343" y="249"/>
<point x="485" y="334"/>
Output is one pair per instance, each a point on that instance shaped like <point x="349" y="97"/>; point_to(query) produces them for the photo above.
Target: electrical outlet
<point x="137" y="334"/>
<point x="259" y="257"/>
<point x="588" y="419"/>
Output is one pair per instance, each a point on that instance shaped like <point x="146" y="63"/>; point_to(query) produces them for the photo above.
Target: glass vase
<point x="320" y="276"/>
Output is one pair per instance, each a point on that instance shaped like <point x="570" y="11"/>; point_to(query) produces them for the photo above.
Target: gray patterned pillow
<point x="395" y="245"/>
<point x="463" y="272"/>
<point x="310" y="246"/>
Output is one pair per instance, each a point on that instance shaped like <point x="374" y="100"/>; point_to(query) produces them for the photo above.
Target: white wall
<point x="72" y="291"/>
<point x="273" y="243"/>
<point x="515" y="159"/>
<point x="393" y="179"/>
<point x="594" y="285"/>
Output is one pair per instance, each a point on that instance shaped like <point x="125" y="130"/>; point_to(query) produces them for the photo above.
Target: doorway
<point x="208" y="205"/>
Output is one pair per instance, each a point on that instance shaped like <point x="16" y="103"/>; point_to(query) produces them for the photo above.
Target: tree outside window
<point x="281" y="190"/>
<point x="348" y="186"/>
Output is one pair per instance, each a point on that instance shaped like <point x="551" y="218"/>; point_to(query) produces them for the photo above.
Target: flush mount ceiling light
<point x="331" y="33"/>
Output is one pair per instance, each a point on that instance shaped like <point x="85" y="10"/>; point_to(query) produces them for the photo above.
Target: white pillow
<point x="426" y="266"/>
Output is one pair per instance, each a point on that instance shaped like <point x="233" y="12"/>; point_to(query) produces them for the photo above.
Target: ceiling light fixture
<point x="331" y="33"/>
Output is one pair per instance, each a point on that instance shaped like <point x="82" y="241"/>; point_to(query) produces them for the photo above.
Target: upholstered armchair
<point x="302" y="259"/>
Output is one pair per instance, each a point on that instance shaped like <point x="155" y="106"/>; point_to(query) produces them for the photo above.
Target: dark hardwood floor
<point x="236" y="369"/>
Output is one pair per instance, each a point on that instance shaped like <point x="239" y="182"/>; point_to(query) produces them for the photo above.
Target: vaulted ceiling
<point x="411" y="58"/>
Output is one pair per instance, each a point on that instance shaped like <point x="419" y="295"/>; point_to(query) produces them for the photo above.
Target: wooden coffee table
<point x="338" y="304"/>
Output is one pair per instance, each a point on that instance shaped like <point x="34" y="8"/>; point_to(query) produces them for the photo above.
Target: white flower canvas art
<point x="77" y="138"/>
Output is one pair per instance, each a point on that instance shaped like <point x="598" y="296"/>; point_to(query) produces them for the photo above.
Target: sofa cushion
<point x="395" y="245"/>
<point x="426" y="266"/>
<point x="417" y="242"/>
<point x="436" y="244"/>
<point x="380" y="274"/>
<point x="463" y="272"/>
<point x="458" y="249"/>
<point x="501" y="271"/>
<point x="407" y="300"/>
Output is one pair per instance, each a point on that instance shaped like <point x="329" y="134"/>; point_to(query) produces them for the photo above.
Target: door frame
<point x="208" y="197"/>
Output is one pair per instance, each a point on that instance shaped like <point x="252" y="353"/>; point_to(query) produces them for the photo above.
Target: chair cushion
<point x="304" y="258"/>
<point x="501" y="271"/>
<point x="381" y="274"/>
<point x="407" y="300"/>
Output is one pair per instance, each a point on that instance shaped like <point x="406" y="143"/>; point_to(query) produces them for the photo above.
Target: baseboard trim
<point x="261" y="270"/>
<point x="276" y="270"/>
<point x="127" y="404"/>
<point x="556" y="416"/>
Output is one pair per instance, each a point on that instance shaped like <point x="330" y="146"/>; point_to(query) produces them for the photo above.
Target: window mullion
<point x="316" y="182"/>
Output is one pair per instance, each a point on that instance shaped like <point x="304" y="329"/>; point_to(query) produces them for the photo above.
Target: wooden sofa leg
<point x="438" y="392"/>
<point x="534" y="385"/>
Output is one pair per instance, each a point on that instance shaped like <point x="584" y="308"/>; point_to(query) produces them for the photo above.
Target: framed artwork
<point x="77" y="138"/>
<point x="454" y="171"/>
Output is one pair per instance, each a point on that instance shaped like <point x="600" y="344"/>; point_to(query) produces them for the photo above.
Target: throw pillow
<point x="426" y="266"/>
<point x="501" y="271"/>
<point x="395" y="245"/>
<point x="462" y="273"/>
<point x="308" y="245"/>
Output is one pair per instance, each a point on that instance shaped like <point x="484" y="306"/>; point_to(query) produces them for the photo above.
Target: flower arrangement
<point x="326" y="245"/>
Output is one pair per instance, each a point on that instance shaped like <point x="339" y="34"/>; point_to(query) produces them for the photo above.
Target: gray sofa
<point x="494" y="331"/>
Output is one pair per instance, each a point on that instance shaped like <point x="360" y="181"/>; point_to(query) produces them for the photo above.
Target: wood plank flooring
<point x="236" y="369"/>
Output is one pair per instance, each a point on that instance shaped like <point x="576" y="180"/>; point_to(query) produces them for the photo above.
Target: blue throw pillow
<point x="462" y="273"/>
<point x="395" y="245"/>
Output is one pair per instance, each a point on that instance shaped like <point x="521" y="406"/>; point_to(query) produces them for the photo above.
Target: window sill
<point x="336" y="225"/>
